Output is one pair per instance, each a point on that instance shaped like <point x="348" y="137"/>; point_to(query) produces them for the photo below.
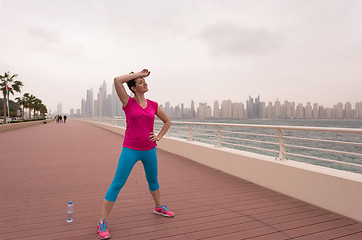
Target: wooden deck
<point x="44" y="166"/>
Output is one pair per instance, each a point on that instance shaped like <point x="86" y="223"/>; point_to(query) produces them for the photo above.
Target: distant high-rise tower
<point x="182" y="109"/>
<point x="116" y="104"/>
<point x="278" y="109"/>
<point x="292" y="106"/>
<point x="83" y="106"/>
<point x="315" y="111"/>
<point x="89" y="110"/>
<point x="250" y="107"/>
<point x="258" y="109"/>
<point x="254" y="109"/>
<point x="237" y="110"/>
<point x="263" y="111"/>
<point x="359" y="110"/>
<point x="102" y="100"/>
<point x="287" y="113"/>
<point x="204" y="111"/>
<point x="348" y="110"/>
<point x="60" y="108"/>
<point x="193" y="112"/>
<point x="308" y="111"/>
<point x="226" y="109"/>
<point x="300" y="111"/>
<point x="216" y="113"/>
<point x="168" y="108"/>
<point x="337" y="111"/>
<point x="270" y="111"/>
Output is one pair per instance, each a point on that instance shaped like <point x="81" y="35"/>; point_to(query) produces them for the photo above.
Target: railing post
<point x="190" y="133"/>
<point x="219" y="138"/>
<point x="168" y="134"/>
<point x="282" y="148"/>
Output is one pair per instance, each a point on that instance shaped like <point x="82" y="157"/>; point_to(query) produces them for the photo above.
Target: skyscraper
<point x="89" y="111"/>
<point x="315" y="111"/>
<point x="109" y="106"/>
<point x="250" y="107"/>
<point x="204" y="111"/>
<point x="60" y="108"/>
<point x="257" y="107"/>
<point x="278" y="109"/>
<point x="300" y="111"/>
<point x="263" y="111"/>
<point x="287" y="113"/>
<point x="182" y="110"/>
<point x="226" y="111"/>
<point x="321" y="112"/>
<point x="292" y="106"/>
<point x="308" y="111"/>
<point x="102" y="100"/>
<point x="348" y="110"/>
<point x="83" y="107"/>
<point x="237" y="110"/>
<point x="216" y="113"/>
<point x="168" y="108"/>
<point x="338" y="111"/>
<point x="116" y="104"/>
<point x="193" y="112"/>
<point x="359" y="110"/>
<point x="269" y="111"/>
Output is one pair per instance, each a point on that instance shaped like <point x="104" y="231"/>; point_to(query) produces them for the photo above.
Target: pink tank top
<point x="140" y="123"/>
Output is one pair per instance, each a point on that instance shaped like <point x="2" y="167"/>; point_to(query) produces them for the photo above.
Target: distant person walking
<point x="65" y="118"/>
<point x="139" y="144"/>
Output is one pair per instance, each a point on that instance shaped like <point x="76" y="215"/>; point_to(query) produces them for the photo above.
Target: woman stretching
<point x="139" y="144"/>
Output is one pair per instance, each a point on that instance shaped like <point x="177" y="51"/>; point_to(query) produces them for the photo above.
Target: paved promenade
<point x="45" y="166"/>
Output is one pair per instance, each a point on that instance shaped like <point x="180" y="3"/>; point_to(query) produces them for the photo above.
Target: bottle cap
<point x="70" y="202"/>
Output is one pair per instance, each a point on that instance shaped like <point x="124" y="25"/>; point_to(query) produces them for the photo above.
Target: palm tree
<point x="26" y="100"/>
<point x="21" y="102"/>
<point x="7" y="81"/>
<point x="43" y="110"/>
<point x="31" y="103"/>
<point x="37" y="105"/>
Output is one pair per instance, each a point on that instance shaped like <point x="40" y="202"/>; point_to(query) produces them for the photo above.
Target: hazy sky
<point x="205" y="50"/>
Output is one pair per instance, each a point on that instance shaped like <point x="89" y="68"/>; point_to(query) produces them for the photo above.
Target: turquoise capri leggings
<point x="126" y="162"/>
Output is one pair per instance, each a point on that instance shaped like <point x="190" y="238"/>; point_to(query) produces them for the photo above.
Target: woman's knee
<point x="153" y="184"/>
<point x="113" y="192"/>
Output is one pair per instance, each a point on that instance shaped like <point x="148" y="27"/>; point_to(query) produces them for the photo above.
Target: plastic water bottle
<point x="70" y="210"/>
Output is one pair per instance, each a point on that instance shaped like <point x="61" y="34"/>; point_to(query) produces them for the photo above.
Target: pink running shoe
<point x="102" y="229"/>
<point x="163" y="211"/>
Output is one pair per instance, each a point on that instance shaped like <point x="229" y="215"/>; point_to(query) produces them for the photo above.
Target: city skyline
<point x="201" y="50"/>
<point x="108" y="105"/>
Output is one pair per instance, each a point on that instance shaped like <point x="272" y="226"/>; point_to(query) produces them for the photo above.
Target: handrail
<point x="316" y="129"/>
<point x="326" y="141"/>
<point x="223" y="134"/>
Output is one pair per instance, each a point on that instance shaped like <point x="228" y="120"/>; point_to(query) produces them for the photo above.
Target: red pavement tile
<point x="44" y="166"/>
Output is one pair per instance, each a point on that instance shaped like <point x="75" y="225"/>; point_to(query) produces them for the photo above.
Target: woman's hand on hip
<point x="153" y="137"/>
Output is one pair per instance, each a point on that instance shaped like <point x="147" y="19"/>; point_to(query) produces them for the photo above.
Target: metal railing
<point x="339" y="148"/>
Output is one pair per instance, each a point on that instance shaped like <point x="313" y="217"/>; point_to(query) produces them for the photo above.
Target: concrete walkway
<point x="45" y="166"/>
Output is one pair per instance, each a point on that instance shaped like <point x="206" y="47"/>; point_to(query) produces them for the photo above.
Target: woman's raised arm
<point x="118" y="84"/>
